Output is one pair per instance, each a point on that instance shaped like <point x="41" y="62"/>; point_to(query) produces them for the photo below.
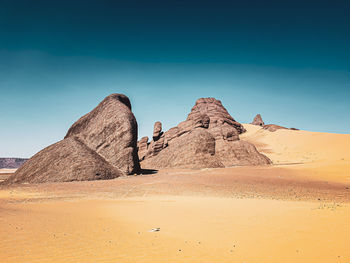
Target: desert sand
<point x="297" y="210"/>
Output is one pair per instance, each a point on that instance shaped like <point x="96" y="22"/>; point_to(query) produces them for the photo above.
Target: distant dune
<point x="324" y="156"/>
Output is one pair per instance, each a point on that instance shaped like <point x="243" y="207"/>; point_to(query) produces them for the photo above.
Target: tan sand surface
<point x="296" y="211"/>
<point x="319" y="155"/>
<point x="192" y="229"/>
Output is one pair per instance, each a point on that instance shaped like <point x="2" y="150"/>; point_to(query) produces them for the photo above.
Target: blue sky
<point x="288" y="61"/>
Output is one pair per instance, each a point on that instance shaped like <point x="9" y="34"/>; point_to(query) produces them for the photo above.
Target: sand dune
<point x="295" y="211"/>
<point x="324" y="156"/>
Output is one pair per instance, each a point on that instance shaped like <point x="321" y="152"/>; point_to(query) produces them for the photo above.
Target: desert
<point x="293" y="208"/>
<point x="187" y="131"/>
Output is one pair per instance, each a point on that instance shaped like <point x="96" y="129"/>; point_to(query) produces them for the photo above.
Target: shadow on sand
<point x="149" y="171"/>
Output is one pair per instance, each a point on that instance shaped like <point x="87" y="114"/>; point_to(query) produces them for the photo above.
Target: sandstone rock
<point x="142" y="146"/>
<point x="258" y="120"/>
<point x="157" y="130"/>
<point x="64" y="161"/>
<point x="274" y="127"/>
<point x="195" y="149"/>
<point x="234" y="153"/>
<point x="111" y="130"/>
<point x="155" y="147"/>
<point x="217" y="113"/>
<point x="208" y="138"/>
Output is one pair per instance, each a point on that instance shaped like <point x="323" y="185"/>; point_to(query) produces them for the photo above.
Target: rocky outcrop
<point x="208" y="138"/>
<point x="11" y="163"/>
<point x="111" y="130"/>
<point x="142" y="146"/>
<point x="64" y="161"/>
<point x="258" y="120"/>
<point x="195" y="149"/>
<point x="270" y="127"/>
<point x="157" y="130"/>
<point x="274" y="127"/>
<point x="100" y="145"/>
<point x="216" y="113"/>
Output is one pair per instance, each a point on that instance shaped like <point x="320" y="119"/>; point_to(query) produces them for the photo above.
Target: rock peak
<point x="258" y="120"/>
<point x="209" y="137"/>
<point x="119" y="97"/>
<point x="217" y="113"/>
<point x="100" y="145"/>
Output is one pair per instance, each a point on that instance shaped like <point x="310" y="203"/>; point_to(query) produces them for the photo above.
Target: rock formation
<point x="274" y="127"/>
<point x="258" y="120"/>
<point x="195" y="149"/>
<point x="11" y="163"/>
<point x="64" y="161"/>
<point x="142" y="146"/>
<point x="270" y="127"/>
<point x="111" y="130"/>
<point x="157" y="130"/>
<point x="100" y="145"/>
<point x="208" y="138"/>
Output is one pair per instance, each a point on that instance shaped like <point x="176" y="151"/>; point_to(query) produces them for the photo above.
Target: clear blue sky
<point x="288" y="60"/>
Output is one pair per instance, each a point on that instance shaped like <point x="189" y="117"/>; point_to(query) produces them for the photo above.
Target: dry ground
<point x="296" y="211"/>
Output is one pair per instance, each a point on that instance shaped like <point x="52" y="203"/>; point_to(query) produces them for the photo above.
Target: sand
<point x="296" y="211"/>
<point x="323" y="156"/>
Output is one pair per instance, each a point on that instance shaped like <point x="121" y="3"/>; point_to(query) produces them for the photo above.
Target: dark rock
<point x="64" y="161"/>
<point x="274" y="127"/>
<point x="208" y="138"/>
<point x="157" y="130"/>
<point x="195" y="149"/>
<point x="111" y="130"/>
<point x="142" y="146"/>
<point x="258" y="120"/>
<point x="100" y="145"/>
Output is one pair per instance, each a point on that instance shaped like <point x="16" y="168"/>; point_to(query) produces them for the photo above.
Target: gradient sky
<point x="288" y="60"/>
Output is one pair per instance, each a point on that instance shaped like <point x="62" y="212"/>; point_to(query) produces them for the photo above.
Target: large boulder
<point x="195" y="149"/>
<point x="214" y="126"/>
<point x="111" y="130"/>
<point x="64" y="161"/>
<point x="100" y="145"/>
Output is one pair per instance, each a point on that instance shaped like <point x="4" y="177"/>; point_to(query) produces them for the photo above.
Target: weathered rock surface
<point x="111" y="130"/>
<point x="100" y="145"/>
<point x="195" y="149"/>
<point x="258" y="120"/>
<point x="64" y="161"/>
<point x="217" y="114"/>
<point x="208" y="138"/>
<point x="142" y="146"/>
<point x="12" y="163"/>
<point x="157" y="130"/>
<point x="270" y="127"/>
<point x="274" y="127"/>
